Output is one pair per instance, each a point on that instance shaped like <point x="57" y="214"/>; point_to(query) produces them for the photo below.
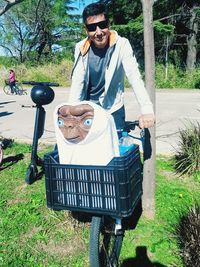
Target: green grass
<point x="33" y="235"/>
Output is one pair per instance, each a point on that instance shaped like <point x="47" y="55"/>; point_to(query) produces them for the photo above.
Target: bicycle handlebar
<point x="40" y="83"/>
<point x="130" y="125"/>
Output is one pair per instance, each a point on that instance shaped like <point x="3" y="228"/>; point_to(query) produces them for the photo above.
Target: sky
<point x="83" y="4"/>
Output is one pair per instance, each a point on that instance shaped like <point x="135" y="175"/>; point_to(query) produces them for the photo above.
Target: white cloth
<point x="100" y="145"/>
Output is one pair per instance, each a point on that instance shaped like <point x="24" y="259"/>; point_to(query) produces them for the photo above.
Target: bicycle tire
<point x="21" y="91"/>
<point x="7" y="90"/>
<point x="105" y="245"/>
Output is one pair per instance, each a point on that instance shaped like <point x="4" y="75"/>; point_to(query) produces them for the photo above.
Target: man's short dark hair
<point x="94" y="9"/>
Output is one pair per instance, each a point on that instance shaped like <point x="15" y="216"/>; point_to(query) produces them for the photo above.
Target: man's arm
<point x="147" y="119"/>
<point x="78" y="76"/>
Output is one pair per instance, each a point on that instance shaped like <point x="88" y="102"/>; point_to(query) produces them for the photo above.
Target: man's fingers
<point x="146" y="121"/>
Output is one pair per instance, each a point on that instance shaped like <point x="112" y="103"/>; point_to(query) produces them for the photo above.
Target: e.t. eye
<point x="60" y="122"/>
<point x="88" y="122"/>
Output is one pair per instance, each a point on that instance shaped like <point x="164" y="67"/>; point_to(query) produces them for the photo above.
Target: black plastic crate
<point x="113" y="190"/>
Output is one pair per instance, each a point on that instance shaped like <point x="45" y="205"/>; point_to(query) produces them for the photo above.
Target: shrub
<point x="177" y="77"/>
<point x="187" y="158"/>
<point x="188" y="235"/>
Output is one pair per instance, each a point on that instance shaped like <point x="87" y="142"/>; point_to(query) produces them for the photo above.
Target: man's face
<point x="98" y="30"/>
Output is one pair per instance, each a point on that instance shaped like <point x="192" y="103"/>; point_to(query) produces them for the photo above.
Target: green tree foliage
<point x="127" y="19"/>
<point x="34" y="29"/>
<point x="172" y="27"/>
<point x="32" y="35"/>
<point x="178" y="15"/>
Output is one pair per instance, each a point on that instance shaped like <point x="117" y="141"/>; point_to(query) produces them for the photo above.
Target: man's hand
<point x="146" y="120"/>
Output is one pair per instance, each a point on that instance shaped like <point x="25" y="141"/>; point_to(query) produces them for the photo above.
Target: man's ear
<point x="86" y="30"/>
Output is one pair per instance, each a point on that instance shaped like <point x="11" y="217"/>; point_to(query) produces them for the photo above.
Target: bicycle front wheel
<point x="105" y="245"/>
<point x="7" y="90"/>
<point x="21" y="90"/>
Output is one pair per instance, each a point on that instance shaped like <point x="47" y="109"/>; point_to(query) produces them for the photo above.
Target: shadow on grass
<point x="141" y="260"/>
<point x="10" y="160"/>
<point x="128" y="223"/>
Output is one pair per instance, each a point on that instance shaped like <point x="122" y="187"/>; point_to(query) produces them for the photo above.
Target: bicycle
<point x="110" y="194"/>
<point x="17" y="89"/>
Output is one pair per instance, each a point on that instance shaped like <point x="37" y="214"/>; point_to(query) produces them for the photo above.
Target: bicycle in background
<point x="18" y="89"/>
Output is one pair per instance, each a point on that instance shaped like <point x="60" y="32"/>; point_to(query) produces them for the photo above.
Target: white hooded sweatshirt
<point x="99" y="146"/>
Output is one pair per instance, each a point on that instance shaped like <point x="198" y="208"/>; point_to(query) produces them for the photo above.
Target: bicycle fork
<point x="118" y="226"/>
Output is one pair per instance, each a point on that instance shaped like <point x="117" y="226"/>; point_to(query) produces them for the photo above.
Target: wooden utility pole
<point x="149" y="164"/>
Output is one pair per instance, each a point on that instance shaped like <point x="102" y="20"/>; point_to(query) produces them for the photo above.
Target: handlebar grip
<point x="26" y="82"/>
<point x="136" y="123"/>
<point x="130" y="125"/>
<point x="53" y="84"/>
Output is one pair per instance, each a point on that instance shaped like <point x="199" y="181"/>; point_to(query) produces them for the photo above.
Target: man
<point x="100" y="63"/>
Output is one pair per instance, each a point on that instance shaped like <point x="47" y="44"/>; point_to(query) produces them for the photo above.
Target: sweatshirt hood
<point x="86" y="43"/>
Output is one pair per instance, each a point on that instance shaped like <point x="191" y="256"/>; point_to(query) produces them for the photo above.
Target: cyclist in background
<point x="12" y="81"/>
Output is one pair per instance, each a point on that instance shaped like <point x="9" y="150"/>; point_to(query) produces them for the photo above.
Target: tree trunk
<point x="192" y="41"/>
<point x="149" y="163"/>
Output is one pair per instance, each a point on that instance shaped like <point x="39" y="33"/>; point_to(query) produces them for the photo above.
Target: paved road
<point x="174" y="109"/>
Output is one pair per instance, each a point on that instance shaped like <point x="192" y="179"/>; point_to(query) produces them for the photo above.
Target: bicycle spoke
<point x="108" y="251"/>
<point x="105" y="245"/>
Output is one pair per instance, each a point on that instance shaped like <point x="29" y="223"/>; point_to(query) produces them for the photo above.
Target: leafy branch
<point x="8" y="5"/>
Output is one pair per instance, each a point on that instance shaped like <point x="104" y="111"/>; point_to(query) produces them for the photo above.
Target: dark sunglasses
<point x="101" y="24"/>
